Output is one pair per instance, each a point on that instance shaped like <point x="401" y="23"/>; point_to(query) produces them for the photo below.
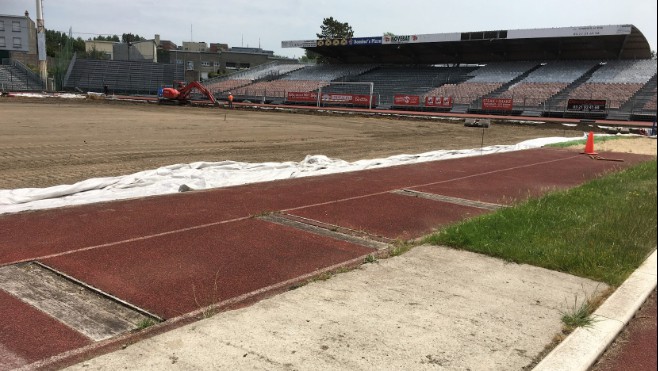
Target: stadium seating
<point x="483" y="81"/>
<point x="309" y="78"/>
<point x="541" y="88"/>
<point x="327" y="72"/>
<point x="267" y="71"/>
<point x="389" y="81"/>
<point x="466" y="92"/>
<point x="616" y="81"/>
<point x="650" y="105"/>
<point x="625" y="72"/>
<point x="278" y="88"/>
<point x="545" y="82"/>
<point x="122" y="76"/>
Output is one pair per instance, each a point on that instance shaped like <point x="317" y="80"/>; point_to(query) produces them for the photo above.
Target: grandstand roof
<point x="565" y="43"/>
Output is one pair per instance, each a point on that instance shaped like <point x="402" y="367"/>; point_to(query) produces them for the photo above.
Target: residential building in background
<point x="18" y="38"/>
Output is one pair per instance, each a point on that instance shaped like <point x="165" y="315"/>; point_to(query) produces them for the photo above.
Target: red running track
<point x="176" y="254"/>
<point x="172" y="275"/>
<point x="36" y="235"/>
<point x="28" y="335"/>
<point x="635" y="348"/>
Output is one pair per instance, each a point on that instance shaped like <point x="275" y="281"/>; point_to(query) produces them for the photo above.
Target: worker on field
<point x="230" y="100"/>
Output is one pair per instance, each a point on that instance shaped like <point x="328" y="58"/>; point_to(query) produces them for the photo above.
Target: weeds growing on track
<point x="602" y="230"/>
<point x="579" y="315"/>
<point x="146" y="323"/>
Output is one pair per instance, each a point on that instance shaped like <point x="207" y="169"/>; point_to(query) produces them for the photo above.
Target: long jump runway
<point x="170" y="256"/>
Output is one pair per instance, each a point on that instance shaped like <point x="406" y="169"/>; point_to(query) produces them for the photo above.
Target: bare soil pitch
<point x="48" y="142"/>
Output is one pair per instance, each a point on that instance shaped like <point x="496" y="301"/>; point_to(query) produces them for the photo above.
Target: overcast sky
<point x="268" y="22"/>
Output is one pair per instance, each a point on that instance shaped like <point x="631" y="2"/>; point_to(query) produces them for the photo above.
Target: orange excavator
<point x="183" y="94"/>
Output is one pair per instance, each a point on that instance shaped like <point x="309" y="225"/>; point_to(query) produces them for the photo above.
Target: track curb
<point x="580" y="350"/>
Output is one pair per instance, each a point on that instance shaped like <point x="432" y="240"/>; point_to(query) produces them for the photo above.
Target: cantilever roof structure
<point x="564" y="43"/>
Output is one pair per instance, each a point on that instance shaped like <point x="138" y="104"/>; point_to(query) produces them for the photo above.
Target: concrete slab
<point x="96" y="316"/>
<point x="430" y="308"/>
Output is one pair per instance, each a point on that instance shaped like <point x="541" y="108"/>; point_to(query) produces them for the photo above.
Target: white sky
<point x="268" y="22"/>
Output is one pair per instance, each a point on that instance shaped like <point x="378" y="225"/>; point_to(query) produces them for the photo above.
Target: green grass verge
<point x="602" y="230"/>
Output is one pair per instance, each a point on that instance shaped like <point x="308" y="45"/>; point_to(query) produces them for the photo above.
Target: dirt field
<point x="50" y="142"/>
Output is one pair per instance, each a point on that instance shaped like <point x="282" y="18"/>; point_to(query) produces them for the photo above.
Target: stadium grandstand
<point x="592" y="71"/>
<point x="587" y="72"/>
<point x="134" y="77"/>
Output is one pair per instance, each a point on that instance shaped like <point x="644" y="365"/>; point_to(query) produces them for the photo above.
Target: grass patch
<point x="579" y="315"/>
<point x="146" y="323"/>
<point x="602" y="230"/>
<point x="400" y="248"/>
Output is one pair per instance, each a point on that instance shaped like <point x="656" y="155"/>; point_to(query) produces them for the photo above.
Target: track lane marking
<point x="207" y="225"/>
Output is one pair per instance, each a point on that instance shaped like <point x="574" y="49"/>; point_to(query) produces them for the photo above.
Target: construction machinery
<point x="183" y="94"/>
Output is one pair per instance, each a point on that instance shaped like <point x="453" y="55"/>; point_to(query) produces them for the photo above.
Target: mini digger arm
<point x="187" y="90"/>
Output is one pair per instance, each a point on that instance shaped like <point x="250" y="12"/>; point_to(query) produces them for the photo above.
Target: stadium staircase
<point x="235" y="81"/>
<point x="558" y="103"/>
<point x="238" y="75"/>
<point x="14" y="76"/>
<point x="634" y="107"/>
<point x="496" y="93"/>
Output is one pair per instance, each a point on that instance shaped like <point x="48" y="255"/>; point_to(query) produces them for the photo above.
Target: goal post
<point x="348" y="89"/>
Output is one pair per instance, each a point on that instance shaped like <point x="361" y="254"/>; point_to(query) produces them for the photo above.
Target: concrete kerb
<point x="580" y="350"/>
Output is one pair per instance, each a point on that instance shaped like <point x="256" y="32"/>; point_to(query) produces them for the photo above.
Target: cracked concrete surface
<point x="431" y="307"/>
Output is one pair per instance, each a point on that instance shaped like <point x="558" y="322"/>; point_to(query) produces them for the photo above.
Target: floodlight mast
<point x="41" y="43"/>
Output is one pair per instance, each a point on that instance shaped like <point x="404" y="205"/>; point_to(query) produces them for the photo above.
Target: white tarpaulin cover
<point x="206" y="175"/>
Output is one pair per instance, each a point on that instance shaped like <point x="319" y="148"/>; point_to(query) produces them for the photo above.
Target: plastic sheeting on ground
<point x="206" y="175"/>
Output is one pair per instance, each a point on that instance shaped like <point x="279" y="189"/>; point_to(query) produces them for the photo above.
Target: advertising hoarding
<point x="497" y="104"/>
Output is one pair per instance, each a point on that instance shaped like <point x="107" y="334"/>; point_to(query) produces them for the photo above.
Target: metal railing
<point x="18" y="77"/>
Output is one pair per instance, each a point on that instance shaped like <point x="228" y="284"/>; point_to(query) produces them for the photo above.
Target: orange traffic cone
<point x="589" y="146"/>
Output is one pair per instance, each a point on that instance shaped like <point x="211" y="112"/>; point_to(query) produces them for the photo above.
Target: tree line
<point x="59" y="43"/>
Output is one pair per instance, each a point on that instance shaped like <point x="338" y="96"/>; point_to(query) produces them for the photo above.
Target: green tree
<point x="130" y="38"/>
<point x="333" y="29"/>
<point x="57" y="42"/>
<point x="114" y="38"/>
<point x="330" y="29"/>
<point x="308" y="59"/>
<point x="94" y="54"/>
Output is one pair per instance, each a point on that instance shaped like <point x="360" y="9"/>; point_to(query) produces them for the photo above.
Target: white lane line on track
<point x="135" y="239"/>
<point x="426" y="184"/>
<point x="207" y="225"/>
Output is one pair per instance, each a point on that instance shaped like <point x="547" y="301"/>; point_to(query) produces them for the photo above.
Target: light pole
<point x="41" y="42"/>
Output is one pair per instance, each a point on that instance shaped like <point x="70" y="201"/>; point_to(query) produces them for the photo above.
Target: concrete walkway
<point x="431" y="308"/>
